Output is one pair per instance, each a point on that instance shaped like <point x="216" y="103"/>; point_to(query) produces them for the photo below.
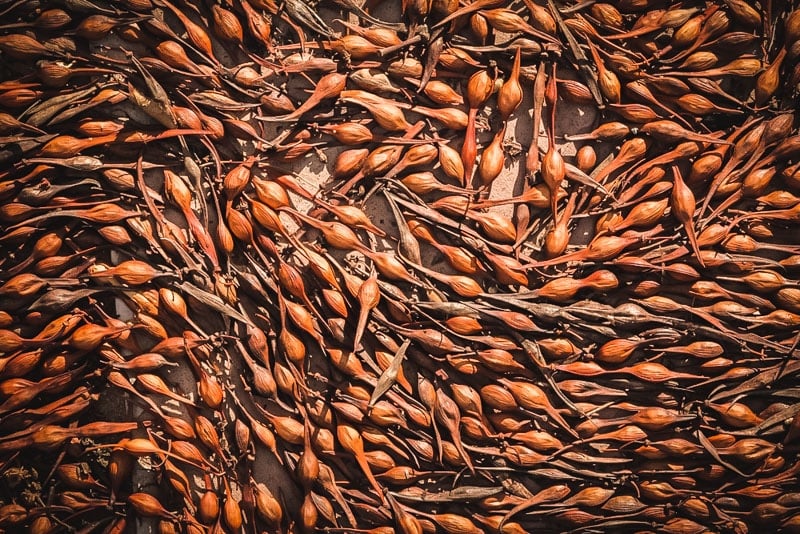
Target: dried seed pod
<point x="442" y="94"/>
<point x="607" y="14"/>
<point x="267" y="506"/>
<point x="451" y="163"/>
<point x="149" y="506"/>
<point x="23" y="47"/>
<point x="495" y="225"/>
<point x="348" y="133"/>
<point x="768" y="81"/>
<point x="744" y="13"/>
<point x="492" y="160"/>
<point x="623" y="504"/>
<point x="455" y="524"/>
<point x="575" y="92"/>
<point x="509" y="96"/>
<point x="736" y="414"/>
<point x="586" y="158"/>
<point x="349" y="162"/>
<point x="479" y="87"/>
<point x="226" y="26"/>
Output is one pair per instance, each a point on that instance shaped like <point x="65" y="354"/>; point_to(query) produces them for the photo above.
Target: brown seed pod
<point x="492" y="160"/>
<point x="23" y="47"/>
<point x="575" y="92"/>
<point x="226" y="25"/>
<point x="348" y="133"/>
<point x="349" y="162"/>
<point x="768" y="81"/>
<point x="442" y="93"/>
<point x="623" y="504"/>
<point x="607" y="14"/>
<point x="149" y="506"/>
<point x="586" y="158"/>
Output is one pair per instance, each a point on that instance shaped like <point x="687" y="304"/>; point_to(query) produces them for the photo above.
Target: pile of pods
<point x="195" y="336"/>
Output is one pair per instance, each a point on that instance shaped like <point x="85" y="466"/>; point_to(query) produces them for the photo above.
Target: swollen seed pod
<point x="267" y="506"/>
<point x="442" y="94"/>
<point x="607" y="14"/>
<point x="768" y="81"/>
<point x="744" y="13"/>
<point x="509" y="96"/>
<point x="236" y="180"/>
<point x="349" y="133"/>
<point x="499" y="398"/>
<point x="355" y="46"/>
<point x="616" y="350"/>
<point x="496" y="226"/>
<point x="541" y="19"/>
<point x="479" y="88"/>
<point x="208" y="507"/>
<point x="451" y="163"/>
<point x="492" y="160"/>
<point x="149" y="506"/>
<point x="349" y="162"/>
<point x="622" y="504"/>
<point x="586" y="158"/>
<point x="381" y="160"/>
<point x="420" y="155"/>
<point x="553" y="171"/>
<point x="226" y="26"/>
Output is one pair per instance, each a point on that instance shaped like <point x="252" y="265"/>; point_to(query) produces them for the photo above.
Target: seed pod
<point x="132" y="272"/>
<point x="148" y="506"/>
<point x="479" y="88"/>
<point x="700" y="61"/>
<point x="442" y="94"/>
<point x="349" y="162"/>
<point x="380" y="160"/>
<point x="451" y="163"/>
<point x="409" y="67"/>
<point x="687" y="33"/>
<point x="499" y="398"/>
<point x="616" y="350"/>
<point x="236" y="181"/>
<point x="496" y="226"/>
<point x="509" y="96"/>
<point x="553" y="172"/>
<point x="349" y="133"/>
<point x="575" y="92"/>
<point x="271" y="193"/>
<point x="757" y="181"/>
<point x="451" y="118"/>
<point x="768" y="81"/>
<point x="736" y="414"/>
<point x="559" y="289"/>
<point x="744" y="13"/>
<point x="355" y="46"/>
<point x="623" y="504"/>
<point x="21" y="46"/>
<point x="267" y="506"/>
<point x="589" y="497"/>
<point x="456" y="524"/>
<point x="479" y="27"/>
<point x="607" y="14"/>
<point x="586" y="158"/>
<point x="492" y="160"/>
<point x="391" y="118"/>
<point x="226" y="26"/>
<point x="208" y="507"/>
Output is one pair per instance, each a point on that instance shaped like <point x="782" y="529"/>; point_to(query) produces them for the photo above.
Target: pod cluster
<point x="482" y="319"/>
